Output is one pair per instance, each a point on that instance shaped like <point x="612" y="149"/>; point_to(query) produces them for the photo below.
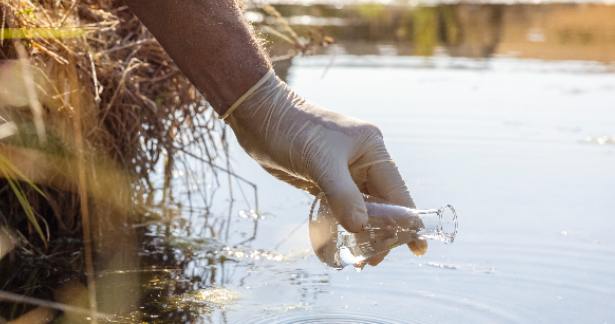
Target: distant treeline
<point x="549" y="31"/>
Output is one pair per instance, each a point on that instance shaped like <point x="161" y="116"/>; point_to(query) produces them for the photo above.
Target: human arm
<point x="210" y="42"/>
<point x="309" y="147"/>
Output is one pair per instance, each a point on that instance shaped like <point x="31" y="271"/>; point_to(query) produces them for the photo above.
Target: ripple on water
<point x="327" y="318"/>
<point x="483" y="281"/>
<point x="533" y="280"/>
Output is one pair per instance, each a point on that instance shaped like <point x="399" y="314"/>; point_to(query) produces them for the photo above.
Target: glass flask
<point x="388" y="226"/>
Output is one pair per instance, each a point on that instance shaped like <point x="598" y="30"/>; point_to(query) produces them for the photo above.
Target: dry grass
<point x="95" y="105"/>
<point x="128" y="96"/>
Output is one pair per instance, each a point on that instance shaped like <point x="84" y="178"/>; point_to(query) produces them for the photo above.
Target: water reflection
<point x="543" y="31"/>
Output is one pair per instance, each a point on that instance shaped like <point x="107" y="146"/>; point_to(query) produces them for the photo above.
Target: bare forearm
<point x="210" y="42"/>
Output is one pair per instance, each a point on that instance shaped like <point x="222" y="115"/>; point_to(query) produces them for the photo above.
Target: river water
<point x="523" y="149"/>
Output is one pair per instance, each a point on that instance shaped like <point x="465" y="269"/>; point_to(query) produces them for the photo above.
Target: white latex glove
<point x="316" y="150"/>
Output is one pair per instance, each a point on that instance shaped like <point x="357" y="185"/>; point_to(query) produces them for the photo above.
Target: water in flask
<point x="388" y="226"/>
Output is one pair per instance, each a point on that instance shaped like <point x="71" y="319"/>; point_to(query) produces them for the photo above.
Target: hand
<point x="388" y="227"/>
<point x="317" y="150"/>
<point x="417" y="246"/>
<point x="389" y="221"/>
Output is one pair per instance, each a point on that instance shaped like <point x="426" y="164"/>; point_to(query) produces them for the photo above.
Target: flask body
<point x="388" y="226"/>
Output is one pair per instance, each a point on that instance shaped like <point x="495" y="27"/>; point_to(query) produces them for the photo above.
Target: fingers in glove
<point x="376" y="259"/>
<point x="384" y="180"/>
<point x="344" y="198"/>
<point x="418" y="247"/>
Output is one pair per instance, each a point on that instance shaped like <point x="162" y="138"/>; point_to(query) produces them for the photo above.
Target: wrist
<point x="265" y="103"/>
<point x="246" y="95"/>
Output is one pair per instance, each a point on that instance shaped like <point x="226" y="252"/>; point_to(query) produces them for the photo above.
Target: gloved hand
<point x="316" y="150"/>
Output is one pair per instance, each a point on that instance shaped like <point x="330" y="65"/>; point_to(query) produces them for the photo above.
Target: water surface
<point x="511" y="143"/>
